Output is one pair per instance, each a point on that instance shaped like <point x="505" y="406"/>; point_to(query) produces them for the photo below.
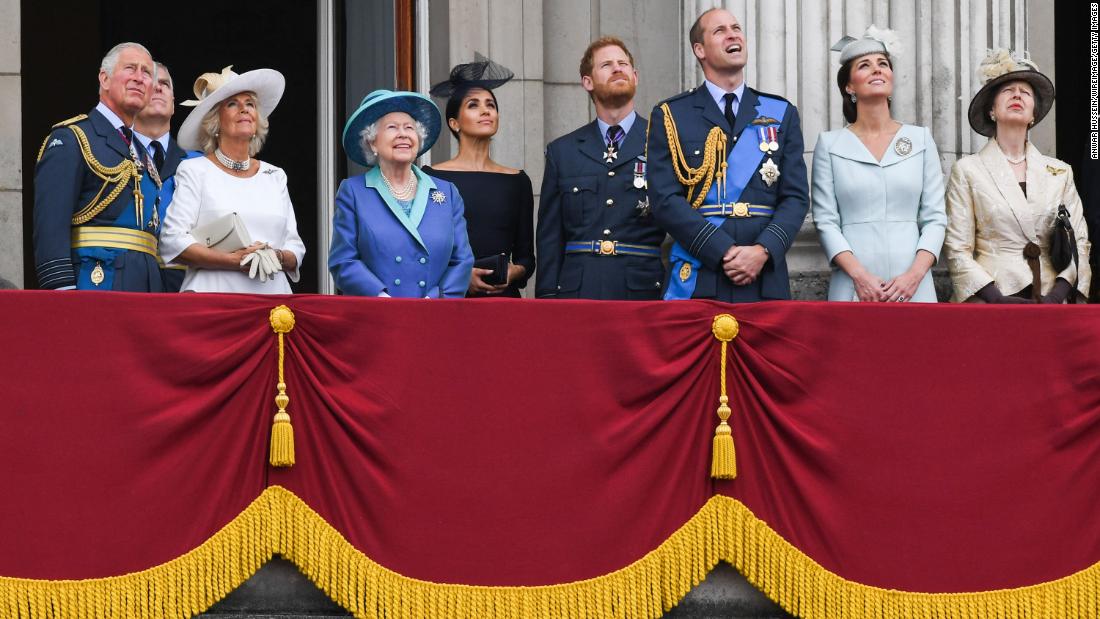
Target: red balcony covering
<point x="553" y="455"/>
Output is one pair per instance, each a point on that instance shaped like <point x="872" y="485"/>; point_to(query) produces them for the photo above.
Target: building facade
<point x="360" y="45"/>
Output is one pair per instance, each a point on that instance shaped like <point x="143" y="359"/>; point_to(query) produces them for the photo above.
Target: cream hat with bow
<point x="213" y="88"/>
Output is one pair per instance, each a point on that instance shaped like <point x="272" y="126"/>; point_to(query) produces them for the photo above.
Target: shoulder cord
<point x="714" y="161"/>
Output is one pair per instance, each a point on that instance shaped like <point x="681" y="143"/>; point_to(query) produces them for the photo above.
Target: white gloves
<point x="263" y="262"/>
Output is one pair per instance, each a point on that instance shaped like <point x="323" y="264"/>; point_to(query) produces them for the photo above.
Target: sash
<point x="743" y="161"/>
<point x="87" y="258"/>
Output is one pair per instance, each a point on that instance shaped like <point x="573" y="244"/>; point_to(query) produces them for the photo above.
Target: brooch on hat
<point x="438" y="197"/>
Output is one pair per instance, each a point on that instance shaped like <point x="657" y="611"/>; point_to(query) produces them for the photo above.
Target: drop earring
<point x="852" y="96"/>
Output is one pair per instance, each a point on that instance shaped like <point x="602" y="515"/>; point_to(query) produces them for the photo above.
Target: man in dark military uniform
<point x="596" y="237"/>
<point x="151" y="128"/>
<point x="726" y="176"/>
<point x="95" y="189"/>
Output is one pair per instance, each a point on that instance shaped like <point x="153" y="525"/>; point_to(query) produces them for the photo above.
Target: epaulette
<point x="74" y="119"/>
<point x="64" y="123"/>
<point x="679" y="96"/>
<point x="761" y="93"/>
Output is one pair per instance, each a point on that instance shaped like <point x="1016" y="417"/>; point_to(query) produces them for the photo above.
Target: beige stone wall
<point x="11" y="166"/>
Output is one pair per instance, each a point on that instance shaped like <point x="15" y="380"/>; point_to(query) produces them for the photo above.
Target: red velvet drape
<point x="922" y="448"/>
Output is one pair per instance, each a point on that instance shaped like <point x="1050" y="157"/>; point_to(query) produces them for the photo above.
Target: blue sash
<point x="87" y="257"/>
<point x="743" y="161"/>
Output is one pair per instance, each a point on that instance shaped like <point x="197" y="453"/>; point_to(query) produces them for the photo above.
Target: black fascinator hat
<point x="482" y="73"/>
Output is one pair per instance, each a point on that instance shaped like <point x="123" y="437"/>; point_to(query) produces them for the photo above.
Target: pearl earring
<point x="992" y="117"/>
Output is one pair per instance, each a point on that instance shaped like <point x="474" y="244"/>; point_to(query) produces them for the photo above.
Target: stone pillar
<point x="11" y="172"/>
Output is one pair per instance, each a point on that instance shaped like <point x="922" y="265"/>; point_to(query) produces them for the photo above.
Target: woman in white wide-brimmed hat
<point x="1015" y="232"/>
<point x="229" y="124"/>
<point x="396" y="231"/>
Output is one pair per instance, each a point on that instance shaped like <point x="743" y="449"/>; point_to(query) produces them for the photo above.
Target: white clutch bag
<point x="227" y="233"/>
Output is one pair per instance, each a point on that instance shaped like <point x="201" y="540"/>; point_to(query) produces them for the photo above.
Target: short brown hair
<point x="598" y="44"/>
<point x="695" y="35"/>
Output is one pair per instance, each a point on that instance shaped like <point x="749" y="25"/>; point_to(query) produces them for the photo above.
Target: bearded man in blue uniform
<point x="95" y="189"/>
<point x="727" y="179"/>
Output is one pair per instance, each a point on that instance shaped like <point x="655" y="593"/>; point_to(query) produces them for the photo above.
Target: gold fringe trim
<point x="278" y="522"/>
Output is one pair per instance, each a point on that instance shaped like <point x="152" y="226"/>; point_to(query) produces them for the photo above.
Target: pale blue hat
<point x="381" y="102"/>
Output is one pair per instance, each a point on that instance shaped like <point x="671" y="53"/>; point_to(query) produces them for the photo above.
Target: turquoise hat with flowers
<point x="381" y="102"/>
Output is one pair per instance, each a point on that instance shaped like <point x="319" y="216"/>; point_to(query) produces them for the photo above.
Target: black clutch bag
<point x="1063" y="242"/>
<point x="498" y="264"/>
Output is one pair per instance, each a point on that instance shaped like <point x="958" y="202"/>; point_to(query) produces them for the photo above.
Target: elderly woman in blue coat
<point x="397" y="232"/>
<point x="878" y="198"/>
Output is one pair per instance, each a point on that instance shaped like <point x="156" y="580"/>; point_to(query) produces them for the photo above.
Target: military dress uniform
<point x="95" y="209"/>
<point x="758" y="197"/>
<point x="596" y="236"/>
<point x="167" y="155"/>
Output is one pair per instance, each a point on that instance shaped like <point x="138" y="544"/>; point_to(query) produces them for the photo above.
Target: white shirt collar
<point x="146" y="140"/>
<point x="111" y="117"/>
<point x="718" y="95"/>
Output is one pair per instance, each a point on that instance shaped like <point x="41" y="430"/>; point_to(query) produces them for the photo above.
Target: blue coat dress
<point x="882" y="211"/>
<point x="376" y="249"/>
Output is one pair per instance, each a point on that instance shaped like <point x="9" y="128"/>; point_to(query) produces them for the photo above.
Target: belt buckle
<point x="607" y="248"/>
<point x="740" y="209"/>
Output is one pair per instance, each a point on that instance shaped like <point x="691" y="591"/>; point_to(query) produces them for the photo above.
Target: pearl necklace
<point x="406" y="192"/>
<point x="232" y="164"/>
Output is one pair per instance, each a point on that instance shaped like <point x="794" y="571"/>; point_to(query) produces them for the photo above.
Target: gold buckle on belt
<point x="607" y="248"/>
<point x="738" y="209"/>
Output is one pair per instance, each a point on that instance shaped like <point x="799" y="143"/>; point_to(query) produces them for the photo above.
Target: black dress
<point x="500" y="215"/>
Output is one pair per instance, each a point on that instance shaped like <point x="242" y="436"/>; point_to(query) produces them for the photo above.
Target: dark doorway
<point x="1071" y="104"/>
<point x="63" y="43"/>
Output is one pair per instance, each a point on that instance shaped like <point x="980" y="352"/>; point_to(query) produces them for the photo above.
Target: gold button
<point x="610" y="202"/>
<point x="696" y="152"/>
<point x="607" y="232"/>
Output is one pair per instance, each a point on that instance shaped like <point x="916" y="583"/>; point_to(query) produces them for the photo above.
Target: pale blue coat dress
<point x="881" y="211"/>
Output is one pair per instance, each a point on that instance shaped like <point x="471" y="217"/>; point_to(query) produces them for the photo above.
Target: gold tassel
<point x="723" y="464"/>
<point x="282" y="433"/>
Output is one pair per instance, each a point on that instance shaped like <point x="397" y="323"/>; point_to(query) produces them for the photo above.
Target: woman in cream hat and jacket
<point x="1003" y="201"/>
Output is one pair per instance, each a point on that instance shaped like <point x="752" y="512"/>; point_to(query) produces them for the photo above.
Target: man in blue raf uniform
<point x="95" y="189"/>
<point x="727" y="179"/>
<point x="151" y="128"/>
<point x="596" y="236"/>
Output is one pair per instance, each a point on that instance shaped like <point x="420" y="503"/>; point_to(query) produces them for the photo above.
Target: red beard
<point x="614" y="94"/>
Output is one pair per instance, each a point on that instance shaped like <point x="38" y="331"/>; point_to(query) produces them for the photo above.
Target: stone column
<point x="11" y="173"/>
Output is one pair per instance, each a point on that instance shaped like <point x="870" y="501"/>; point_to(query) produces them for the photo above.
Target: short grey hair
<point x="211" y="126"/>
<point x="107" y="65"/>
<point x="111" y="59"/>
<point x="370" y="133"/>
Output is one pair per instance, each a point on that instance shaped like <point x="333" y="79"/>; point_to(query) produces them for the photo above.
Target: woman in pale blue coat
<point x="877" y="186"/>
<point x="397" y="232"/>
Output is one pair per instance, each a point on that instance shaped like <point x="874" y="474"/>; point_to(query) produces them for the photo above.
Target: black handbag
<point x="1063" y="242"/>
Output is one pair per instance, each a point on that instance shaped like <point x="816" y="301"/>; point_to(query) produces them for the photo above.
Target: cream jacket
<point x="990" y="220"/>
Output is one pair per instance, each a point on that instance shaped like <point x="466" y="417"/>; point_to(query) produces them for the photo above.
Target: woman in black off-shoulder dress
<point x="499" y="200"/>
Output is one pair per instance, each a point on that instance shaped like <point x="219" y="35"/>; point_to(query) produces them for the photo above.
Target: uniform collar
<point x="625" y="124"/>
<point x="111" y="117"/>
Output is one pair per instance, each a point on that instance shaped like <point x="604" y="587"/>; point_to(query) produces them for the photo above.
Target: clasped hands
<point x="260" y="259"/>
<point x="870" y="287"/>
<point x="743" y="263"/>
